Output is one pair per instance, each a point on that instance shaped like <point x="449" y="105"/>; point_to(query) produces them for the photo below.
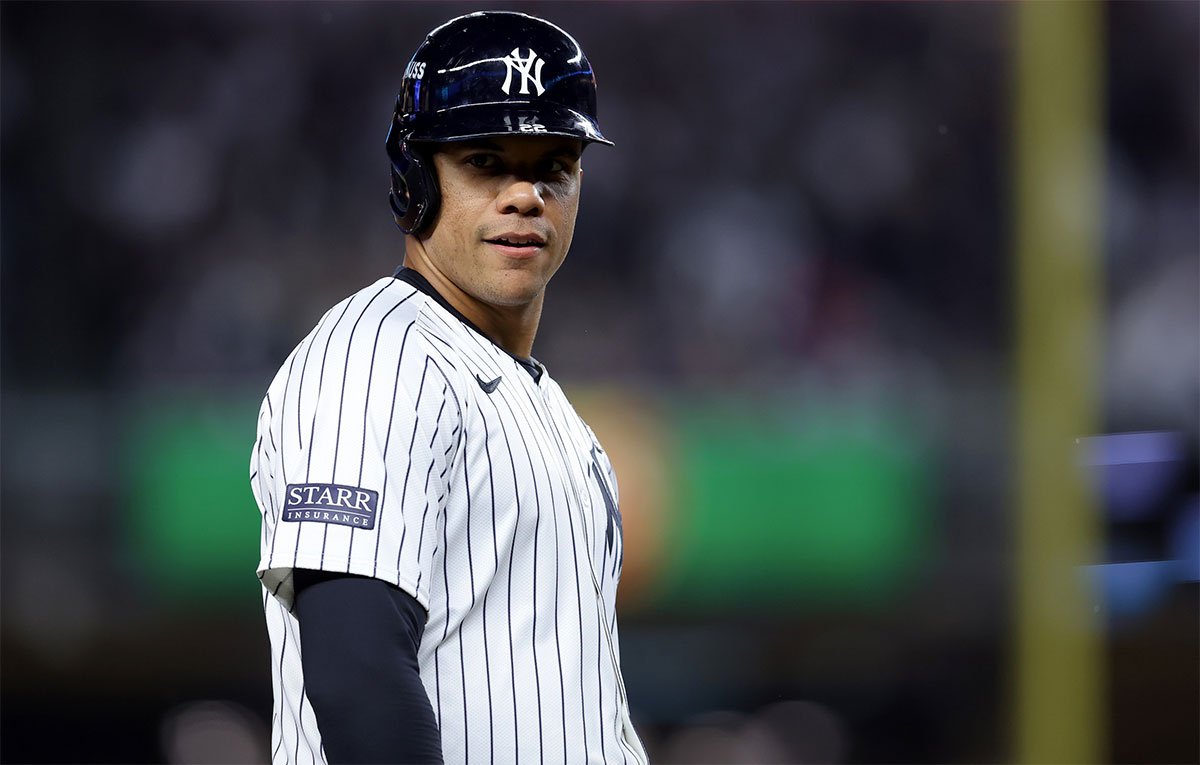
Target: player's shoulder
<point x="394" y="317"/>
<point x="379" y="313"/>
<point x="393" y="307"/>
<point x="373" y="337"/>
<point x="388" y="305"/>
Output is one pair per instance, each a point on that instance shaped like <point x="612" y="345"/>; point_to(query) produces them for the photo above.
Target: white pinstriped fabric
<point x="496" y="511"/>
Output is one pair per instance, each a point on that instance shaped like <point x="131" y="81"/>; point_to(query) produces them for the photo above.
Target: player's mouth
<point x="516" y="245"/>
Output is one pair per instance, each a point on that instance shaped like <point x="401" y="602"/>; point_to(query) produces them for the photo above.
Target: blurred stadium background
<point x="811" y="309"/>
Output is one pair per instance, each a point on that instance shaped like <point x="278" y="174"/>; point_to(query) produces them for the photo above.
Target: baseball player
<point x="441" y="538"/>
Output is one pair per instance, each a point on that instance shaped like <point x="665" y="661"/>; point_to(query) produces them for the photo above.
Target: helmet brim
<point x="505" y="118"/>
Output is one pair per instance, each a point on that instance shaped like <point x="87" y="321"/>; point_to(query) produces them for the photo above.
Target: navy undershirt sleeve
<point x="358" y="641"/>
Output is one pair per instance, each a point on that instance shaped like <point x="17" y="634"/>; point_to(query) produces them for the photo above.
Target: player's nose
<point x="522" y="197"/>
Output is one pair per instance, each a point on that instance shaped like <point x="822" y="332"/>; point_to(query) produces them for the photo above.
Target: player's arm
<point x="359" y="639"/>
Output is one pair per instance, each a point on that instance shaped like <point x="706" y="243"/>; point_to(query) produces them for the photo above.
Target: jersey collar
<point x="413" y="277"/>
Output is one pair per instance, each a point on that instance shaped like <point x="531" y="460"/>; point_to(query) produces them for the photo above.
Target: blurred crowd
<point x="795" y="190"/>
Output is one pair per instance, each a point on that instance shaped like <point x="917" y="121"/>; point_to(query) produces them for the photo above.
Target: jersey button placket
<point x="627" y="732"/>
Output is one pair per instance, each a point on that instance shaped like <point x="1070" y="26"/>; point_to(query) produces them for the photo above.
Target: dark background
<point x="803" y="238"/>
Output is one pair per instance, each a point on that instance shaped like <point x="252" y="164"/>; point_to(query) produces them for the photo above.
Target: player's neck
<point x="513" y="328"/>
<point x="510" y="327"/>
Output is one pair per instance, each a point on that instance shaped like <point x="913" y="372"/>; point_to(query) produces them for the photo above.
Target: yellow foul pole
<point x="1059" y="701"/>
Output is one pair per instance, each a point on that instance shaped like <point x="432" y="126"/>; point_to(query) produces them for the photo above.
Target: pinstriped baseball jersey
<point x="397" y="442"/>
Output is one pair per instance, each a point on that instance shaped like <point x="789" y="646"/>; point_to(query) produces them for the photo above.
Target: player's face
<point x="507" y="214"/>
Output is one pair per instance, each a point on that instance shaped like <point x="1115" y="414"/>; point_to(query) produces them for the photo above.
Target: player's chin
<point x="517" y="287"/>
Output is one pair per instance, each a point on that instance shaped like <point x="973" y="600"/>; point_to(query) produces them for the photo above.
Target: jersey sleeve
<point x="354" y="455"/>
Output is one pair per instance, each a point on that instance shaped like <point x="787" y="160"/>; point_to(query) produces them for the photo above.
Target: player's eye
<point x="483" y="161"/>
<point x="552" y="166"/>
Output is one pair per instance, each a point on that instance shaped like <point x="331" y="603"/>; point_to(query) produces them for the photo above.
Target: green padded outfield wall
<point x="769" y="503"/>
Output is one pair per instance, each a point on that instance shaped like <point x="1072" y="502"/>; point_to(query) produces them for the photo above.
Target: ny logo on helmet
<point x="523" y="66"/>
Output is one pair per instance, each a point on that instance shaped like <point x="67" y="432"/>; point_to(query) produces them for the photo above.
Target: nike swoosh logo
<point x="488" y="387"/>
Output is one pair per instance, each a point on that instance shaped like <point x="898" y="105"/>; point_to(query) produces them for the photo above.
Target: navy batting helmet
<point x="484" y="74"/>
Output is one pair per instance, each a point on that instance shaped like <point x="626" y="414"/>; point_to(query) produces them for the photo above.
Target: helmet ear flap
<point x="415" y="195"/>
